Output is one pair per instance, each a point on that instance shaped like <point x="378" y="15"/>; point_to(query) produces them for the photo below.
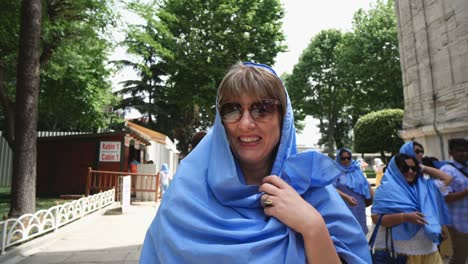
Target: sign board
<point x="125" y="191"/>
<point x="109" y="151"/>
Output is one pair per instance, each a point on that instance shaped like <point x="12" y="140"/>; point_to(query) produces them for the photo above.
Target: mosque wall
<point x="433" y="41"/>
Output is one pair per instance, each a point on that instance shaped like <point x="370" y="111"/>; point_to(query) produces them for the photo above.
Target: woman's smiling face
<point x="253" y="142"/>
<point x="410" y="172"/>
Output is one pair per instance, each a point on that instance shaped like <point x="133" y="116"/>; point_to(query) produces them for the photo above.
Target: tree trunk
<point x="7" y="105"/>
<point x="23" y="191"/>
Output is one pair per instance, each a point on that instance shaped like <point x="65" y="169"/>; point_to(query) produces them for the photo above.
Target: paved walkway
<point x="105" y="237"/>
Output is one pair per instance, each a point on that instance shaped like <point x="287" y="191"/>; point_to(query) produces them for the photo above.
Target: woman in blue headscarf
<point x="416" y="150"/>
<point x="413" y="207"/>
<point x="164" y="174"/>
<point x="243" y="195"/>
<point x="353" y="186"/>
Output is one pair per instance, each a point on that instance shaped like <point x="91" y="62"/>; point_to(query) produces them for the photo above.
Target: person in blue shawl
<point x="244" y="195"/>
<point x="416" y="150"/>
<point x="165" y="177"/>
<point x="412" y="206"/>
<point x="353" y="186"/>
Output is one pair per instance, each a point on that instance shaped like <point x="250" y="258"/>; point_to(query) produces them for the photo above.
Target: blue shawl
<point x="354" y="177"/>
<point x="209" y="214"/>
<point x="395" y="195"/>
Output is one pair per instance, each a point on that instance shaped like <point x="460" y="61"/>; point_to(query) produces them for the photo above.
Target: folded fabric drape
<point x="354" y="178"/>
<point x="395" y="195"/>
<point x="210" y="215"/>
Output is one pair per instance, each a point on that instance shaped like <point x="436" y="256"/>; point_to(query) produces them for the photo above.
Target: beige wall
<point x="433" y="40"/>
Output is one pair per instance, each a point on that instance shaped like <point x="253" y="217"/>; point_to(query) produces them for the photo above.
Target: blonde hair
<point x="254" y="81"/>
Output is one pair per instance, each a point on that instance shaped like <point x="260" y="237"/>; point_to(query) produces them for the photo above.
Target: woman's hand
<point x="347" y="198"/>
<point x="415" y="218"/>
<point x="444" y="234"/>
<point x="351" y="200"/>
<point x="288" y="206"/>
<point x="285" y="204"/>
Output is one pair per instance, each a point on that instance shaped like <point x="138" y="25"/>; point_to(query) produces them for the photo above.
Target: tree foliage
<point x="315" y="86"/>
<point x="369" y="60"/>
<point x="379" y="132"/>
<point x="339" y="81"/>
<point x="192" y="44"/>
<point x="72" y="90"/>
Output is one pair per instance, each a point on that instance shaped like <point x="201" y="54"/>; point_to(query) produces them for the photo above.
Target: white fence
<point x="28" y="226"/>
<point x="6" y="162"/>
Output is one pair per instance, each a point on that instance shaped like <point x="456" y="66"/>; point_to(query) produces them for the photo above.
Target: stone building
<point x="433" y="40"/>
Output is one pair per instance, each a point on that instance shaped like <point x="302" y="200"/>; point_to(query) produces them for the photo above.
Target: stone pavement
<point x="104" y="237"/>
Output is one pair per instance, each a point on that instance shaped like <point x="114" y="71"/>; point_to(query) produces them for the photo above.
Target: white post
<point x="125" y="191"/>
<point x="4" y="235"/>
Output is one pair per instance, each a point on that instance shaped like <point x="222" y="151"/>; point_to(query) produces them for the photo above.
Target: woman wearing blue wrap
<point x="353" y="186"/>
<point x="243" y="195"/>
<point x="416" y="150"/>
<point x="413" y="207"/>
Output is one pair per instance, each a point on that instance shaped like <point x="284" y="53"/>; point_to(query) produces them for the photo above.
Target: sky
<point x="303" y="19"/>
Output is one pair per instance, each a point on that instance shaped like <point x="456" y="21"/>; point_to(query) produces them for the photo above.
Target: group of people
<point x="409" y="201"/>
<point x="244" y="194"/>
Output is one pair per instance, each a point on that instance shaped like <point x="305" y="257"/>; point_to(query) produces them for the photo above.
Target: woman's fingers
<point x="420" y="214"/>
<point x="266" y="200"/>
<point x="272" y="184"/>
<point x="276" y="181"/>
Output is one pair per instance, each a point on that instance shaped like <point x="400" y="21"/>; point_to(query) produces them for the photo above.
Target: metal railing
<point x="18" y="230"/>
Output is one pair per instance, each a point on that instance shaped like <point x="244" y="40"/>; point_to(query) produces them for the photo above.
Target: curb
<point x="16" y="254"/>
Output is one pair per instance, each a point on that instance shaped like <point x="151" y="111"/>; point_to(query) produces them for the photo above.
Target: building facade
<point x="433" y="41"/>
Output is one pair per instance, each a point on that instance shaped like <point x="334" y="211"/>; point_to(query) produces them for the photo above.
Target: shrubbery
<point x="379" y="132"/>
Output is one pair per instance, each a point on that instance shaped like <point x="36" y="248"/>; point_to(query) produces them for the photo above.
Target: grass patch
<point x="370" y="174"/>
<point x="41" y="203"/>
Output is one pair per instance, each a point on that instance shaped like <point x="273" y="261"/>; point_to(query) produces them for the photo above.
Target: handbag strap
<point x="374" y="233"/>
<point x="391" y="250"/>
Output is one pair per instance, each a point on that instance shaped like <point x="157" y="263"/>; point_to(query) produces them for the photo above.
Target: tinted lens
<point x="418" y="151"/>
<point x="231" y="112"/>
<point x="345" y="158"/>
<point x="262" y="109"/>
<point x="406" y="168"/>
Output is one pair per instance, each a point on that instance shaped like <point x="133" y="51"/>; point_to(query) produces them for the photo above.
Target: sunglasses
<point x="345" y="158"/>
<point x="418" y="151"/>
<point x="406" y="168"/>
<point x="261" y="110"/>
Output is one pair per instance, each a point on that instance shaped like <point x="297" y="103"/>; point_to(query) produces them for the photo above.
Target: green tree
<point x="369" y="60"/>
<point x="366" y="72"/>
<point x="379" y="132"/>
<point x="315" y="86"/>
<point x="202" y="39"/>
<point x="73" y="86"/>
<point x="71" y="54"/>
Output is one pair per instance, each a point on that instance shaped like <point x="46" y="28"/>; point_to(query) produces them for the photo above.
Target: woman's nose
<point x="246" y="120"/>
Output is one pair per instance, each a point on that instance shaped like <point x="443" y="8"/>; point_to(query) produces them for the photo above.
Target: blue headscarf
<point x="209" y="215"/>
<point x="354" y="177"/>
<point x="165" y="168"/>
<point x="395" y="195"/>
